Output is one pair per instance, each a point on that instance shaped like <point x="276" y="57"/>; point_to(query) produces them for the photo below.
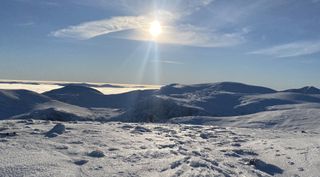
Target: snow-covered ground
<point x="29" y="148"/>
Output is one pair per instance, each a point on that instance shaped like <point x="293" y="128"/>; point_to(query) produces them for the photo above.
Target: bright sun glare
<point x="155" y="29"/>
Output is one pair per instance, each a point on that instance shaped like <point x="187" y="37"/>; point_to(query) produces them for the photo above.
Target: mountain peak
<point x="305" y="90"/>
<point x="234" y="87"/>
<point x="74" y="89"/>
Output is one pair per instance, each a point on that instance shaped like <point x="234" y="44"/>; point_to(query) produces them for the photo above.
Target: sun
<point x="155" y="29"/>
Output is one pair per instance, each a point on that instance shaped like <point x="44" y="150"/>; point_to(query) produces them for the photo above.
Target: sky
<point x="274" y="43"/>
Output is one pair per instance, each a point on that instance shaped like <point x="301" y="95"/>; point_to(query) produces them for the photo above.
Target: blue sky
<point x="275" y="43"/>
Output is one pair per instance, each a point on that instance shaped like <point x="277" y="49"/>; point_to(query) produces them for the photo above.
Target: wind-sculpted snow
<point x="45" y="148"/>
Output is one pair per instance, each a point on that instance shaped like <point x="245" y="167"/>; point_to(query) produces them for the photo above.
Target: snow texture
<point x="132" y="149"/>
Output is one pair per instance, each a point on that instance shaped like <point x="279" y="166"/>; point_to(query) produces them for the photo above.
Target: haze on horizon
<point x="270" y="43"/>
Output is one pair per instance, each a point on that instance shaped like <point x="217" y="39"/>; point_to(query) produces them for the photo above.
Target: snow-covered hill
<point x="91" y="98"/>
<point x="79" y="102"/>
<point x="24" y="104"/>
<point x="219" y="99"/>
<point x="305" y="90"/>
<point x="14" y="102"/>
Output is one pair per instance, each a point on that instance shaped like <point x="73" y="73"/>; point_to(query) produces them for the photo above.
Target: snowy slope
<point x="56" y="110"/>
<point x="24" y="104"/>
<point x="13" y="102"/>
<point x="124" y="149"/>
<point x="304" y="117"/>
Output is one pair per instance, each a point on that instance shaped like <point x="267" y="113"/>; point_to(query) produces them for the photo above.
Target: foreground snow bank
<point x="126" y="149"/>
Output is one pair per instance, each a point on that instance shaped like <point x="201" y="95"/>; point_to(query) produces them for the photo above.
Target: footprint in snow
<point x="207" y="135"/>
<point x="113" y="149"/>
<point x="235" y="144"/>
<point x="244" y="152"/>
<point x="162" y="146"/>
<point x="140" y="129"/>
<point x="127" y="127"/>
<point x="61" y="146"/>
<point x="143" y="147"/>
<point x="291" y="163"/>
<point x="80" y="162"/>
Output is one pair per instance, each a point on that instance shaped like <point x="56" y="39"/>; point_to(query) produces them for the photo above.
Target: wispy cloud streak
<point x="291" y="49"/>
<point x="95" y="28"/>
<point x="179" y="34"/>
<point x="174" y="33"/>
<point x="167" y="62"/>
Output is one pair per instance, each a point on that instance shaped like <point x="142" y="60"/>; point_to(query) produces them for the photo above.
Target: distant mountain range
<point x="80" y="102"/>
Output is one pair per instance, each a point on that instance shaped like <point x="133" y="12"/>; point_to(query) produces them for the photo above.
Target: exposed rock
<point x="57" y="130"/>
<point x="96" y="153"/>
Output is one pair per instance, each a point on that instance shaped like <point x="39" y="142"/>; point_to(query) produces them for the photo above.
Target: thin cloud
<point x="188" y="35"/>
<point x="181" y="7"/>
<point x="167" y="62"/>
<point x="26" y="24"/>
<point x="291" y="49"/>
<point x="204" y="37"/>
<point x="92" y="29"/>
<point x="174" y="33"/>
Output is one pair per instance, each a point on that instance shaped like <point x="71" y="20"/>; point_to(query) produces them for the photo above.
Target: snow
<point x="292" y="119"/>
<point x="218" y="129"/>
<point x="14" y="102"/>
<point x="116" y="149"/>
<point x="79" y="102"/>
<point x="306" y="90"/>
